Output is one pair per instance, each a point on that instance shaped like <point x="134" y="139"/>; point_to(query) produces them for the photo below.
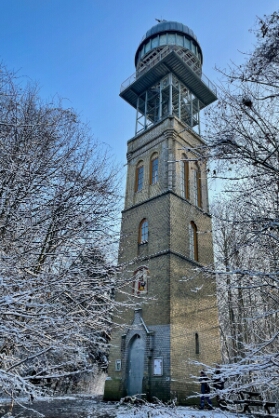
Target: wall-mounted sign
<point x="117" y="365"/>
<point x="158" y="366"/>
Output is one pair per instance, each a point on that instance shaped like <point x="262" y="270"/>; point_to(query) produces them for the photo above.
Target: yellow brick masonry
<point x="181" y="301"/>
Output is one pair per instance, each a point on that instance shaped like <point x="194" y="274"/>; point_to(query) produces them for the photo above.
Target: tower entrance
<point x="135" y="368"/>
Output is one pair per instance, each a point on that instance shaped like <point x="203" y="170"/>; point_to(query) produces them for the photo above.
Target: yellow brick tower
<point x="166" y="229"/>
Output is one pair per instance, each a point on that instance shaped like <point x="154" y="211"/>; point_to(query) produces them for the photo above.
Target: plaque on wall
<point x="158" y="366"/>
<point x="117" y="365"/>
<point x="140" y="282"/>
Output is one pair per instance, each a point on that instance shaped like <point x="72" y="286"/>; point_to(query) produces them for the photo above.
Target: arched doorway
<point x="135" y="365"/>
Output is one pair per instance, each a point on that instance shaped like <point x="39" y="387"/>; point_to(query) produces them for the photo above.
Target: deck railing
<point x="188" y="58"/>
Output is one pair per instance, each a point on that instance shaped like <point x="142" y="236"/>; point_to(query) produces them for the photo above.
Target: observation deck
<point x="172" y="59"/>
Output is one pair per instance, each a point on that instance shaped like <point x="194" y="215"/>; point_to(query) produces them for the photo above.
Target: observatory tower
<point x="166" y="229"/>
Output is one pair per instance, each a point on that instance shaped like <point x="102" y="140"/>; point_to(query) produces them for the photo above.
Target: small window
<point x="143" y="232"/>
<point x="193" y="242"/>
<point x="139" y="176"/>
<point x="154" y="169"/>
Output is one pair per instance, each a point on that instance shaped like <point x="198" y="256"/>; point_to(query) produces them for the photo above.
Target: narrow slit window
<point x="197" y="343"/>
<point x="185" y="177"/>
<point x="197" y="187"/>
<point x="154" y="163"/>
<point x="193" y="241"/>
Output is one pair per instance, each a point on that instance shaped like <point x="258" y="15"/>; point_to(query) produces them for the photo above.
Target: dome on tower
<point x="169" y="79"/>
<point x="168" y="33"/>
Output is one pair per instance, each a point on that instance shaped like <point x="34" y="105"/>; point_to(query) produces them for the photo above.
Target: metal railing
<point x="189" y="59"/>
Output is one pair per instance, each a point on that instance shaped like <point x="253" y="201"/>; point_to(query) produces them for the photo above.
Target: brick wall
<point x="180" y="305"/>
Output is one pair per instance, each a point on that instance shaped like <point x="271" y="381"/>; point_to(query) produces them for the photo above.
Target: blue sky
<point x="82" y="50"/>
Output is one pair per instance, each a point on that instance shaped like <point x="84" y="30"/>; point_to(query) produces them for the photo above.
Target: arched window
<point x="193" y="241"/>
<point x="139" y="176"/>
<point x="197" y="186"/>
<point x="154" y="163"/>
<point x="143" y="231"/>
<point x="185" y="177"/>
<point x="197" y="343"/>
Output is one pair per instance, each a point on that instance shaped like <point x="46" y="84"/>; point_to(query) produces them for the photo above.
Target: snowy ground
<point x="86" y="407"/>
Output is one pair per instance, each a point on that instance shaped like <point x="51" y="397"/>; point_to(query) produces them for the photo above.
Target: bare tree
<point x="58" y="220"/>
<point x="244" y="137"/>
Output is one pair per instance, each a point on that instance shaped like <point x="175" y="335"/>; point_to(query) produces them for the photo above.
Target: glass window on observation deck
<point x="187" y="43"/>
<point x="148" y="46"/>
<point x="179" y="40"/>
<point x="171" y="39"/>
<point x="163" y="39"/>
<point x="155" y="42"/>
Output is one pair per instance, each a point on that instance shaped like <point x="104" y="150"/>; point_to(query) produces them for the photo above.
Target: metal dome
<point x="166" y="27"/>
